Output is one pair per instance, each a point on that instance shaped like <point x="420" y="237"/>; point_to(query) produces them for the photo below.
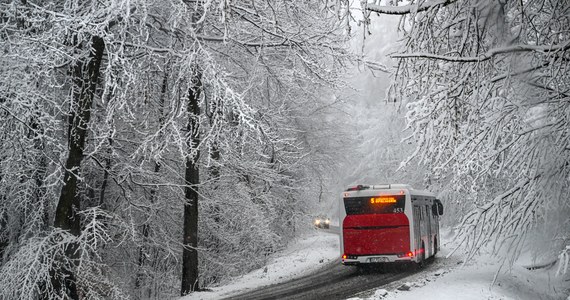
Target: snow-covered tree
<point x="116" y="113"/>
<point x="486" y="84"/>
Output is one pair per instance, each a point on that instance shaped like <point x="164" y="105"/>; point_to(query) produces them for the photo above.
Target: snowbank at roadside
<point x="452" y="279"/>
<point x="301" y="258"/>
<point x="473" y="282"/>
<point x="447" y="278"/>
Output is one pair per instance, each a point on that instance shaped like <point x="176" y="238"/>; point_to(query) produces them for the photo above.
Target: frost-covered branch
<point x="264" y="68"/>
<point x="563" y="261"/>
<point x="409" y="8"/>
<point x="486" y="90"/>
<point x="489" y="54"/>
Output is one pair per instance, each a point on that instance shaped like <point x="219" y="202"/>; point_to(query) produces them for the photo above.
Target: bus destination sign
<point x="383" y="200"/>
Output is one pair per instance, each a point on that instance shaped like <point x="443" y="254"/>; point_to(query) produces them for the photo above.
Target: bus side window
<point x="417" y="213"/>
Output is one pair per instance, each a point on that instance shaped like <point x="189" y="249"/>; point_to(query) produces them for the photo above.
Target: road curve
<point x="333" y="281"/>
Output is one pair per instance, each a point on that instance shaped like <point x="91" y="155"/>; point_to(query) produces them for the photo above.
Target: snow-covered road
<point x="310" y="269"/>
<point x="333" y="281"/>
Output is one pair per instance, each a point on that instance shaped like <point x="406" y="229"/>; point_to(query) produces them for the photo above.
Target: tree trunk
<point x="214" y="170"/>
<point x="40" y="172"/>
<point x="215" y="178"/>
<point x="190" y="239"/>
<point x="108" y="161"/>
<point x="3" y="234"/>
<point x="144" y="249"/>
<point x="85" y="76"/>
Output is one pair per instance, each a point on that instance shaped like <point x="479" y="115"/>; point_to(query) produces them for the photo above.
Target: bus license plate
<point x="378" y="259"/>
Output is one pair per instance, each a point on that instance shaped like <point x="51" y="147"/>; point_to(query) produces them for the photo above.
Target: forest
<point x="149" y="149"/>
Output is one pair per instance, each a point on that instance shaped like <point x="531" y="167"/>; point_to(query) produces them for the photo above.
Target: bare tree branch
<point x="489" y="54"/>
<point x="407" y="9"/>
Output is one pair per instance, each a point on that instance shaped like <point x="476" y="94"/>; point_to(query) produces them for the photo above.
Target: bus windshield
<point x="385" y="204"/>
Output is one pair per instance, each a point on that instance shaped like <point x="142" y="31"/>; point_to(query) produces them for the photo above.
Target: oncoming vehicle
<point x="389" y="223"/>
<point x="322" y="222"/>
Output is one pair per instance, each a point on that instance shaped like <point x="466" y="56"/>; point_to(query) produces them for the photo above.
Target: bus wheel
<point x="434" y="247"/>
<point x="423" y="256"/>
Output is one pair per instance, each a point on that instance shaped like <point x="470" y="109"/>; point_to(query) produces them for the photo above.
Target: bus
<point x="388" y="223"/>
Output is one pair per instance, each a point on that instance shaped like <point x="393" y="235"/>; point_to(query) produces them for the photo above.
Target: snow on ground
<point x="303" y="257"/>
<point x="450" y="279"/>
<point x="472" y="282"/>
<point x="447" y="278"/>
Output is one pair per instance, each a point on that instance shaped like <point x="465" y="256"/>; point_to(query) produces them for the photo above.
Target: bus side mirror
<point x="439" y="207"/>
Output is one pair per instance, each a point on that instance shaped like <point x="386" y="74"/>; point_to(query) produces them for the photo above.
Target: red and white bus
<point x="389" y="223"/>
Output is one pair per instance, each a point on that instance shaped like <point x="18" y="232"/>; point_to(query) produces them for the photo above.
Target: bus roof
<point x="389" y="188"/>
<point x="379" y="186"/>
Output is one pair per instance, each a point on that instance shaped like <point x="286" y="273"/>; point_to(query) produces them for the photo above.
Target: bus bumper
<point x="375" y="259"/>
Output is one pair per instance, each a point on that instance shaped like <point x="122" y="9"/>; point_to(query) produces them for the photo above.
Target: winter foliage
<point x="148" y="145"/>
<point x="106" y="105"/>
<point x="564" y="260"/>
<point x="486" y="88"/>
